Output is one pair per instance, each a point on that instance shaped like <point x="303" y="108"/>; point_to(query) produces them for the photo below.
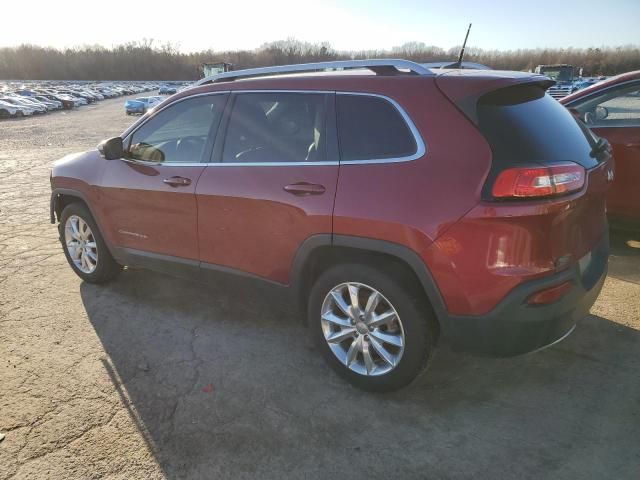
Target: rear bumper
<point x="514" y="327"/>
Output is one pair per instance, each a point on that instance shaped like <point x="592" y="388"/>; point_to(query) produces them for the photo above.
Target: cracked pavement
<point x="154" y="377"/>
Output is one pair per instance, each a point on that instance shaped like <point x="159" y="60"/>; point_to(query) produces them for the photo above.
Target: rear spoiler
<point x="465" y="88"/>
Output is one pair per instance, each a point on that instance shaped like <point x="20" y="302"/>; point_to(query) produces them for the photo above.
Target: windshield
<point x="558" y="74"/>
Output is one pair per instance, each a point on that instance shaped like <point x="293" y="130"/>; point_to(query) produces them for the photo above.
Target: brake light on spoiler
<point x="535" y="182"/>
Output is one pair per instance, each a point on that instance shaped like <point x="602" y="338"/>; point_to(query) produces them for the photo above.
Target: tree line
<point x="146" y="60"/>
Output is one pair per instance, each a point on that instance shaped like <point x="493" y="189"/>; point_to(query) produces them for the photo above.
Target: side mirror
<point x="111" y="149"/>
<point x="601" y="112"/>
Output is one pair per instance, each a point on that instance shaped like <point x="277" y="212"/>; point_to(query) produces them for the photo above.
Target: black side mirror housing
<point x="112" y="148"/>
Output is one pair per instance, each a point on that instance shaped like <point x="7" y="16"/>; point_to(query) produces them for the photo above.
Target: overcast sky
<point x="346" y="24"/>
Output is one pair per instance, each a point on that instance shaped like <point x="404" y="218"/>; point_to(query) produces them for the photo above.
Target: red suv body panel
<point x="247" y="221"/>
<point x="478" y="260"/>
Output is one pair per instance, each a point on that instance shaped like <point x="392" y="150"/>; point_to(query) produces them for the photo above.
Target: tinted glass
<point x="371" y="128"/>
<point x="178" y="133"/>
<point x="617" y="107"/>
<point x="524" y="125"/>
<point x="276" y="127"/>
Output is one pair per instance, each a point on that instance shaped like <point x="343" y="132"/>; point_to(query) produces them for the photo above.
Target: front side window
<point x="179" y="133"/>
<point x="371" y="128"/>
<point x="617" y="107"/>
<point x="276" y="127"/>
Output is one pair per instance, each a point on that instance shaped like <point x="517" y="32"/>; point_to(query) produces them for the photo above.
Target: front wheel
<point x="371" y="327"/>
<point x="84" y="246"/>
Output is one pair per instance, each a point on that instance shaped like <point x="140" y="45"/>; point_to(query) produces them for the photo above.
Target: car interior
<point x="275" y="128"/>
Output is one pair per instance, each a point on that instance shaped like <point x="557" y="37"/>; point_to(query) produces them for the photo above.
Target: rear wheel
<point x="84" y="246"/>
<point x="4" y="113"/>
<point x="373" y="330"/>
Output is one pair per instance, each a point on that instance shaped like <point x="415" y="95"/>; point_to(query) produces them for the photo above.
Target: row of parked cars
<point x="38" y="98"/>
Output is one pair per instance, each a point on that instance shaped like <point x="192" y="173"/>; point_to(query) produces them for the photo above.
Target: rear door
<point x="272" y="184"/>
<point x="614" y="114"/>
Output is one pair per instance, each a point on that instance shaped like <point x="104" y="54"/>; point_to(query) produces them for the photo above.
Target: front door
<point x="273" y="185"/>
<point x="148" y="196"/>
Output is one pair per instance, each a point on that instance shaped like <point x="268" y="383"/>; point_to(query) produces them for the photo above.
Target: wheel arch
<point x="319" y="252"/>
<point x="61" y="197"/>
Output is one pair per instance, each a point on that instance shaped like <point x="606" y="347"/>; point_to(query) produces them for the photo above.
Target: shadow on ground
<point x="222" y="382"/>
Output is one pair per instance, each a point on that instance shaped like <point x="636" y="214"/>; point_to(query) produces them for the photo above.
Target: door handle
<point x="304" y="189"/>
<point x="177" y="181"/>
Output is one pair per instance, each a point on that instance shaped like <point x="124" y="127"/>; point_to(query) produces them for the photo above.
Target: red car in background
<point x="612" y="110"/>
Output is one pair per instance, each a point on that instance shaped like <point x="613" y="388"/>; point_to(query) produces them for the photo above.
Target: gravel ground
<point x="154" y="377"/>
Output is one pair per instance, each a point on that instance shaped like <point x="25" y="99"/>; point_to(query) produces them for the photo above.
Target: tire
<point x="4" y="114"/>
<point x="104" y="266"/>
<point x="414" y="327"/>
<point x="19" y="113"/>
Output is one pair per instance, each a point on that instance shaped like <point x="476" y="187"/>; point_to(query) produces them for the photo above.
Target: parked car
<point x="24" y="104"/>
<point x="167" y="90"/>
<point x="583" y="83"/>
<point x="79" y="100"/>
<point x="66" y="102"/>
<point x="398" y="202"/>
<point x="8" y="110"/>
<point x="50" y="104"/>
<point x="141" y="105"/>
<point x="612" y="110"/>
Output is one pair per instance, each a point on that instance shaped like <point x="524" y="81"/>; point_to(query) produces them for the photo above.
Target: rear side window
<point x="276" y="127"/>
<point x="523" y="125"/>
<point x="371" y="128"/>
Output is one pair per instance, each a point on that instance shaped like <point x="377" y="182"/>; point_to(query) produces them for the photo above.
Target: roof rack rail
<point x="379" y="66"/>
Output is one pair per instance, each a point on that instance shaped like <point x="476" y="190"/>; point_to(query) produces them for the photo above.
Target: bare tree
<point x="148" y="60"/>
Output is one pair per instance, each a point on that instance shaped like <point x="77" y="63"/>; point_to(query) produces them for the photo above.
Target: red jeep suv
<point x="400" y="203"/>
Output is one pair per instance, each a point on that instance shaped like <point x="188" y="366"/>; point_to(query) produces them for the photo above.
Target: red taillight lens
<point x="523" y="182"/>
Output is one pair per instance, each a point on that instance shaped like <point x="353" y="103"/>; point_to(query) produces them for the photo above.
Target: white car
<point x="8" y="109"/>
<point x="24" y="106"/>
<point x="28" y="101"/>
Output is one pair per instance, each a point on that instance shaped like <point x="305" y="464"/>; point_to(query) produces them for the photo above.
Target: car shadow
<point x="222" y="382"/>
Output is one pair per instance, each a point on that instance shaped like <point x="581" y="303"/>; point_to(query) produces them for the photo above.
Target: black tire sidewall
<point x="107" y="268"/>
<point x="417" y="323"/>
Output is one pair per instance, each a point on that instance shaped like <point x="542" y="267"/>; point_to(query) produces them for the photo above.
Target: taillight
<point x="532" y="182"/>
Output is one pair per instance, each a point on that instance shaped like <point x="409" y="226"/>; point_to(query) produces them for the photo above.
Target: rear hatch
<point x="542" y="206"/>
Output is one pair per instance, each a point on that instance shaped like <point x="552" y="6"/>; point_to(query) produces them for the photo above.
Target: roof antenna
<point x="458" y="64"/>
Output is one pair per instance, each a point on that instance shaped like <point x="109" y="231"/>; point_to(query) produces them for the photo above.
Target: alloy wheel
<point x="362" y="329"/>
<point x="81" y="244"/>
